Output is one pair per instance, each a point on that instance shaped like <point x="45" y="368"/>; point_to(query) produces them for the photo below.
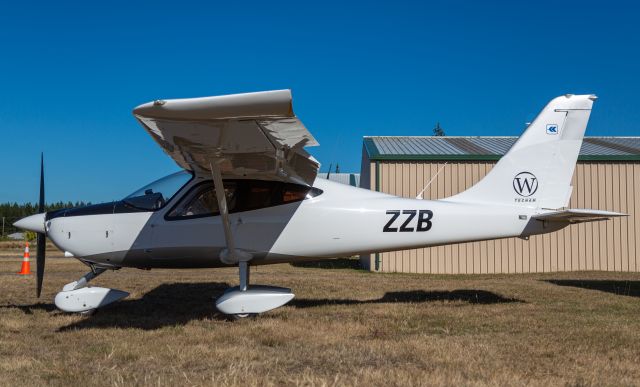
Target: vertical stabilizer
<point x="537" y="170"/>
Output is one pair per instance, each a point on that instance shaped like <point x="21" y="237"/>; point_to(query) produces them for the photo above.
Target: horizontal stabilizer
<point x="577" y="215"/>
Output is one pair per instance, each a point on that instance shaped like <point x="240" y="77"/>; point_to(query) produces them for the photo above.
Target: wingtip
<point x="146" y="107"/>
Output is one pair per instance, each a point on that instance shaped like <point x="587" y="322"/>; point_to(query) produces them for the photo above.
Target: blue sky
<point x="70" y="73"/>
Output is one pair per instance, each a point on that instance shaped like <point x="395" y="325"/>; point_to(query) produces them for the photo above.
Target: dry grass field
<point x="345" y="327"/>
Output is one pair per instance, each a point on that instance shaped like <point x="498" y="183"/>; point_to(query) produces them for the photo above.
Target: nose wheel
<point x="89" y="312"/>
<point x="243" y="316"/>
<point x="78" y="297"/>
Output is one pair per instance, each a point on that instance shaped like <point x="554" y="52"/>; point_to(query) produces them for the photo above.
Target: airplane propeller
<point x="42" y="236"/>
<point x="36" y="223"/>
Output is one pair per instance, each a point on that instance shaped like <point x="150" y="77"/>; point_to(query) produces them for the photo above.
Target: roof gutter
<point x="444" y="157"/>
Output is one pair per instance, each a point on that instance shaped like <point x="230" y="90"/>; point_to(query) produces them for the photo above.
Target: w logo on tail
<point x="525" y="184"/>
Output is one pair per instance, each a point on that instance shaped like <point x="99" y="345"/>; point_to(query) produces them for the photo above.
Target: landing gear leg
<point x="245" y="271"/>
<point x="84" y="280"/>
<point x="78" y="297"/>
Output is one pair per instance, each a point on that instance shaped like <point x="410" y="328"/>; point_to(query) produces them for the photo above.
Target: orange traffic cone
<point x="26" y="265"/>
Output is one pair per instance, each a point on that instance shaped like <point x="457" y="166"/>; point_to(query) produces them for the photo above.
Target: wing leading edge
<point x="252" y="135"/>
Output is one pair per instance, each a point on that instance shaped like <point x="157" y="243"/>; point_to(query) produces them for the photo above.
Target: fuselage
<point x="338" y="220"/>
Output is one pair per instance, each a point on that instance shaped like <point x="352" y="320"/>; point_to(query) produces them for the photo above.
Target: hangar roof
<point x="487" y="148"/>
<point x="344" y="178"/>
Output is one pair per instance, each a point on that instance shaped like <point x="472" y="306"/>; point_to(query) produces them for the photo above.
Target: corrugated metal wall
<point x="612" y="245"/>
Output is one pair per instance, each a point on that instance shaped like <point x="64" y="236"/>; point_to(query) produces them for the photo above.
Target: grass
<point x="345" y="327"/>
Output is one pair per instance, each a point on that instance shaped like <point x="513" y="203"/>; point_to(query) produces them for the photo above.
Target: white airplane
<point x="249" y="195"/>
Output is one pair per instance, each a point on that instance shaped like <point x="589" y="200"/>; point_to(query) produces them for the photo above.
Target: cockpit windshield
<point x="155" y="195"/>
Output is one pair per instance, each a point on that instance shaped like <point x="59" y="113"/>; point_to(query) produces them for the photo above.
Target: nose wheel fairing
<point x="87" y="299"/>
<point x="78" y="297"/>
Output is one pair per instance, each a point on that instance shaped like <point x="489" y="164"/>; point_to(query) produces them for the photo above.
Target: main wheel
<point x="242" y="316"/>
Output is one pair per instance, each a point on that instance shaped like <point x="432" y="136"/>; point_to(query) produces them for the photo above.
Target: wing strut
<point x="231" y="255"/>
<point x="224" y="212"/>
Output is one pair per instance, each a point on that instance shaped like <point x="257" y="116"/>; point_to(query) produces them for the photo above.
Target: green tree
<point x="30" y="236"/>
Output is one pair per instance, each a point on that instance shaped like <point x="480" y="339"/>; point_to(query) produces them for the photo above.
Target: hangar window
<point x="242" y="195"/>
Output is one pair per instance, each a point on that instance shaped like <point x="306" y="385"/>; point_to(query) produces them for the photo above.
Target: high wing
<point x="252" y="135"/>
<point x="577" y="215"/>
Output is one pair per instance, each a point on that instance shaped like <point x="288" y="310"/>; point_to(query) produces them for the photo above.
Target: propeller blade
<point x="41" y="203"/>
<point x="42" y="238"/>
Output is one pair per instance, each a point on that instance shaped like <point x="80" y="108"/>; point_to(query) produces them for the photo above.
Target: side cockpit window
<point x="202" y="201"/>
<point x="293" y="193"/>
<point x="242" y="195"/>
<point x="257" y="194"/>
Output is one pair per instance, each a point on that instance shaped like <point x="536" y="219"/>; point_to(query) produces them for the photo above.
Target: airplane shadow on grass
<point x="334" y="263"/>
<point x="470" y="296"/>
<point x="179" y="303"/>
<point x="29" y="309"/>
<point x="620" y="288"/>
<point x="166" y="305"/>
